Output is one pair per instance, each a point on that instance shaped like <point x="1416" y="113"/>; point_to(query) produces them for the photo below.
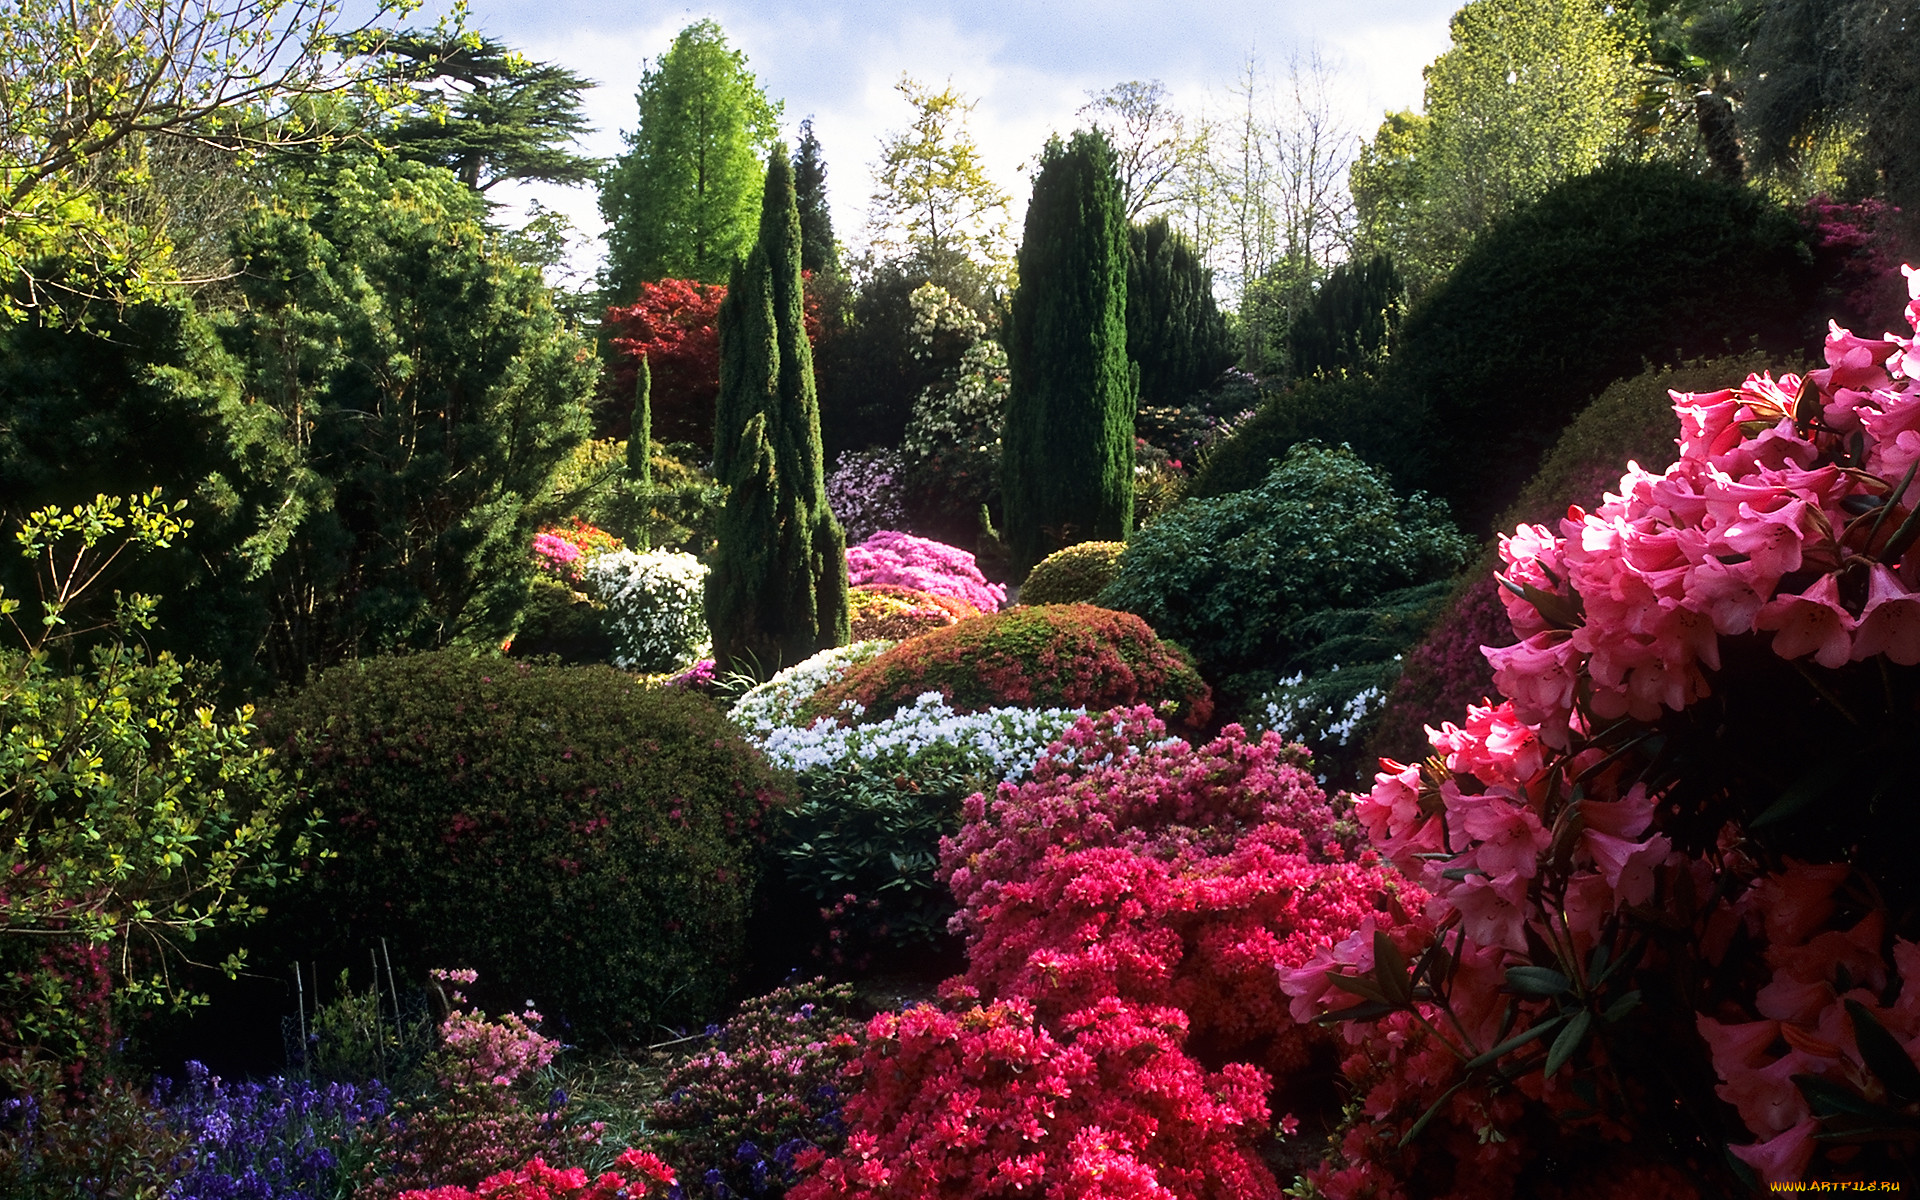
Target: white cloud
<point x="1027" y="64"/>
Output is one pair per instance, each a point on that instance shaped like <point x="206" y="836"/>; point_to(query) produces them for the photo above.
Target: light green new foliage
<point x="679" y="203"/>
<point x="132" y="817"/>
<point x="778" y="591"/>
<point x="1067" y="465"/>
<point x="1531" y="92"/>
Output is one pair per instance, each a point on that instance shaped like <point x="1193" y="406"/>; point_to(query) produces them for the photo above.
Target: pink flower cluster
<point x="1126" y="903"/>
<point x="563" y="551"/>
<point x="1827" y="985"/>
<point x="475" y="1049"/>
<point x="903" y="560"/>
<point x="1768" y="521"/>
<point x="646" y="1176"/>
<point x="1550" y="886"/>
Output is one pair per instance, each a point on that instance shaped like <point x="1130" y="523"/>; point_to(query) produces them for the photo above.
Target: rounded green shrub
<point x="1651" y="264"/>
<point x="579" y="838"/>
<point x="1233" y="577"/>
<point x="1336" y="410"/>
<point x="1049" y="656"/>
<point x="1073" y="575"/>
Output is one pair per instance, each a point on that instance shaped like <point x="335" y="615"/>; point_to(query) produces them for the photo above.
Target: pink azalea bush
<point x="1629" y="955"/>
<point x="563" y="551"/>
<point x="903" y="560"/>
<point x="1123" y="908"/>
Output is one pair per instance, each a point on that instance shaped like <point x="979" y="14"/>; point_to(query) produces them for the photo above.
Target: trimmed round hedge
<point x="577" y="837"/>
<point x="892" y="612"/>
<point x="1073" y="575"/>
<point x="1049" y="656"/>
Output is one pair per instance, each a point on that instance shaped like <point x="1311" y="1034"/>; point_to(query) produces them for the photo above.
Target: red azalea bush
<point x="1115" y="1030"/>
<point x="1054" y="656"/>
<point x="645" y="1177"/>
<point x="902" y="560"/>
<point x="1673" y="865"/>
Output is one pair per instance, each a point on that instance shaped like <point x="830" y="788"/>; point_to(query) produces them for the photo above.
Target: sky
<point x="1028" y="65"/>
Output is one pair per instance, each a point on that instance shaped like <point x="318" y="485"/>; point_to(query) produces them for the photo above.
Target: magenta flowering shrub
<point x="1123" y="908"/>
<point x="1671" y="904"/>
<point x="641" y="1176"/>
<point x="903" y="560"/>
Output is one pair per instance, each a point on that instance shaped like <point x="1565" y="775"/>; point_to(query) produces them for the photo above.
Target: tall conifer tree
<point x="778" y="590"/>
<point x="817" y="251"/>
<point x="1067" y="448"/>
<point x="1176" y="334"/>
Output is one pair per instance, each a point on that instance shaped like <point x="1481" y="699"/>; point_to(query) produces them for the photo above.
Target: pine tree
<point x="818" y="253"/>
<point x="778" y="590"/>
<point x="1067" y="465"/>
<point x="1176" y="334"/>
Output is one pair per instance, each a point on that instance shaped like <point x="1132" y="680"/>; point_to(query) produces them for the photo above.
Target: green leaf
<point x="1430" y="1113"/>
<point x="1804" y="791"/>
<point x="1570" y="1040"/>
<point x="1359" y="985"/>
<point x="1884" y="1056"/>
<point x="1538" y="981"/>
<point x="1829" y="1099"/>
<point x="1515" y="1042"/>
<point x="1390" y="969"/>
<point x="1621" y="1007"/>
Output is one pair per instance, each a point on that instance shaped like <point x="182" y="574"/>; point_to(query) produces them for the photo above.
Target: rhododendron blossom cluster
<point x="563" y="551"/>
<point x="903" y="560"/>
<point x="1569" y="856"/>
<point x="1124" y="905"/>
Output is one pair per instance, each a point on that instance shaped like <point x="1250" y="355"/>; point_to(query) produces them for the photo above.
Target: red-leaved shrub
<point x="1123" y="908"/>
<point x="1052" y="656"/>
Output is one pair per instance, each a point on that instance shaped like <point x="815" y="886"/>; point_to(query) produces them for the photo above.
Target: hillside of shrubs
<point x="1421" y="723"/>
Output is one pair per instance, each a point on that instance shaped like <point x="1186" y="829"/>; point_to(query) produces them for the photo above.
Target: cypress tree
<point x="1067" y="448"/>
<point x="778" y="589"/>
<point x="640" y="444"/>
<point x="1175" y="331"/>
<point x="817" y="250"/>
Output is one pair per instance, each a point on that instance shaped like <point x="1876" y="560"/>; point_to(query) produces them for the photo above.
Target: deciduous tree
<point x="680" y="203"/>
<point x="933" y="201"/>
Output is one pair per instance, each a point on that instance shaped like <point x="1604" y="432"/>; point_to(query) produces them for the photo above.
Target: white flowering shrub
<point x="776" y="703"/>
<point x="867" y="492"/>
<point x="1003" y="743"/>
<point x="950" y="451"/>
<point x="1331" y="712"/>
<point x="654" y="608"/>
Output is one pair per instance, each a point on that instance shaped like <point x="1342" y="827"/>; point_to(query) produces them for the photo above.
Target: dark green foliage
<point x="488" y="114"/>
<point x="640" y="448"/>
<point x="1632" y="420"/>
<point x="557" y="622"/>
<point x="414" y="394"/>
<point x="778" y="590"/>
<point x="873" y="366"/>
<point x="1176" y="334"/>
<point x="576" y="837"/>
<point x="126" y="399"/>
<point x="818" y="253"/>
<point x="1073" y="575"/>
<point x="872" y="829"/>
<point x="678" y="510"/>
<point x="1232" y="577"/>
<point x="1606" y="272"/>
<point x="1349" y="325"/>
<point x="1335" y="410"/>
<point x="1067" y="470"/>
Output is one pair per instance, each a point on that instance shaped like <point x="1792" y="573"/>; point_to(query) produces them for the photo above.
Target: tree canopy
<point x="933" y="200"/>
<point x="682" y="201"/>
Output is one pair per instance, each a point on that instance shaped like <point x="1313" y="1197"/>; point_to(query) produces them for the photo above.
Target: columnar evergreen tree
<point x="1351" y="320"/>
<point x="1176" y="334"/>
<point x="817" y="250"/>
<point x="640" y="443"/>
<point x="1067" y="449"/>
<point x="778" y="589"/>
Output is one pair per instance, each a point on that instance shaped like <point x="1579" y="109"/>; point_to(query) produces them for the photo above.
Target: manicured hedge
<point x="579" y="838"/>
